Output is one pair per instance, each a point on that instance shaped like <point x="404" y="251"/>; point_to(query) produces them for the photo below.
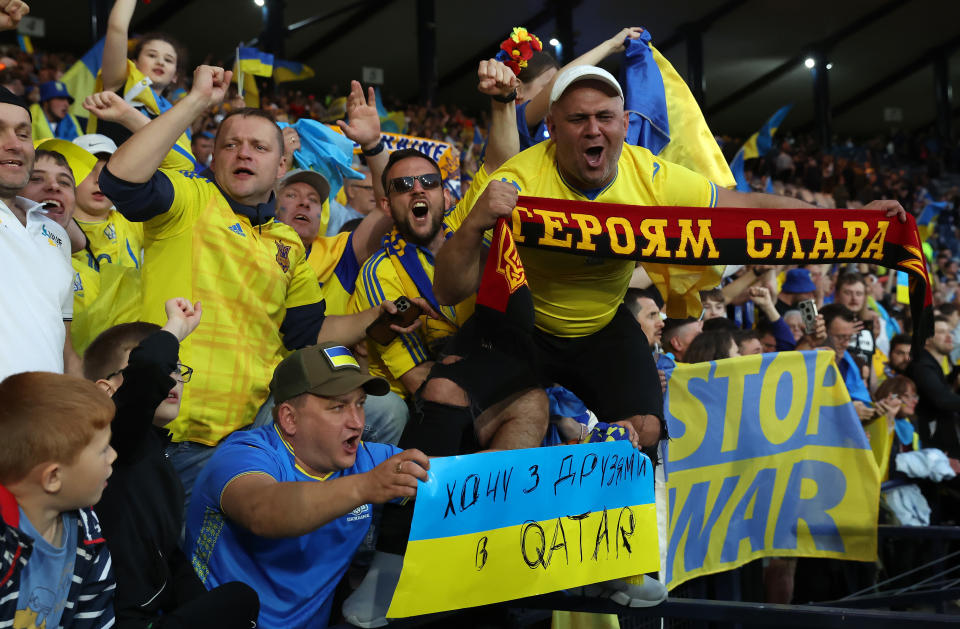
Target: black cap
<point x="6" y="96"/>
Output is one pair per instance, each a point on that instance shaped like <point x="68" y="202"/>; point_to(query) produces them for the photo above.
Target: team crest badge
<point x="110" y="232"/>
<point x="283" y="256"/>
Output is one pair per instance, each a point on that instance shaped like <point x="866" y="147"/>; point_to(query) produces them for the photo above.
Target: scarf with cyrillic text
<point x="706" y="236"/>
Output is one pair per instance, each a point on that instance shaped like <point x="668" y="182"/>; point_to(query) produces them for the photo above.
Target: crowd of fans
<point x="259" y="326"/>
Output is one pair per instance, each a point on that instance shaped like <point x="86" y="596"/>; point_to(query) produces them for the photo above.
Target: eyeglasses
<point x="429" y="181"/>
<point x="183" y="372"/>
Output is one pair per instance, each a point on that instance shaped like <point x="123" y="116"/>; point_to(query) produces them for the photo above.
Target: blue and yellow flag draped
<point x="285" y="71"/>
<point x="767" y="458"/>
<point x="81" y="77"/>
<point x="666" y="119"/>
<point x="503" y="525"/>
<point x="757" y="145"/>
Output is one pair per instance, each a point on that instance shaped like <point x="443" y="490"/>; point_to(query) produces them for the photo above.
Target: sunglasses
<point x="405" y="184"/>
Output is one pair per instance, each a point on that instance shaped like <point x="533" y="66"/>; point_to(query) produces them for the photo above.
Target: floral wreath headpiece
<point x="518" y="48"/>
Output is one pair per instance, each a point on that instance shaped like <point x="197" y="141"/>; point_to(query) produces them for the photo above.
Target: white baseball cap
<point x="96" y="143"/>
<point x="568" y="77"/>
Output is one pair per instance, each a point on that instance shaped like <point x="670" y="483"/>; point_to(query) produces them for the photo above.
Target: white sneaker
<point x="367" y="606"/>
<point x="651" y="593"/>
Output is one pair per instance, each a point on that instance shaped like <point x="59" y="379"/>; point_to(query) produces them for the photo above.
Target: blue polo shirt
<point x="295" y="576"/>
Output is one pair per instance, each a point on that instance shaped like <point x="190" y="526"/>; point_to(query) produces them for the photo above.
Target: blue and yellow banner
<point x="767" y="458"/>
<point x="446" y="156"/>
<point x="503" y="525"/>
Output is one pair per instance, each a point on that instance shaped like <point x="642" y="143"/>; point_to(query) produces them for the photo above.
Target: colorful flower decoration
<point x="518" y="48"/>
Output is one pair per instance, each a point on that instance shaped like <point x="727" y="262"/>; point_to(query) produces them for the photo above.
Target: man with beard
<point x="413" y="194"/>
<point x="35" y="258"/>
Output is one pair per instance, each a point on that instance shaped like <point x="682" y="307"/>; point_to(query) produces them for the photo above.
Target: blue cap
<point x="54" y="89"/>
<point x="798" y="281"/>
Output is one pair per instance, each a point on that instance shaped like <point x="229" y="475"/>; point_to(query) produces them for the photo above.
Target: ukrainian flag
<point x="666" y="119"/>
<point x="340" y="357"/>
<point x="81" y="78"/>
<point x="253" y="61"/>
<point x="927" y="220"/>
<point x="285" y="71"/>
<point x="26" y="44"/>
<point x="757" y="145"/>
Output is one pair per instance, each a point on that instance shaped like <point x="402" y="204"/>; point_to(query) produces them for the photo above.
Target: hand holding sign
<point x="502" y="525"/>
<point x="397" y="476"/>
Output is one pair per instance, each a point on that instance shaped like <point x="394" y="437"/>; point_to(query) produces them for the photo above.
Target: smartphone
<point x="808" y="309"/>
<point x="380" y="330"/>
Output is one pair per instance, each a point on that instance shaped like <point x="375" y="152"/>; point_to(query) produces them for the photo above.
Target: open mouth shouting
<point x="243" y="173"/>
<point x="302" y="218"/>
<point x="594" y="156"/>
<point x="52" y="207"/>
<point x="350" y="445"/>
<point x="420" y="209"/>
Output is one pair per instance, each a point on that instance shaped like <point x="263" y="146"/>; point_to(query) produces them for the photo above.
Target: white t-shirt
<point x="36" y="290"/>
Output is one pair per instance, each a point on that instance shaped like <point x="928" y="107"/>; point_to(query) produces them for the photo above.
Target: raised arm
<point x="364" y="129"/>
<point x="137" y="159"/>
<point x="268" y="508"/>
<point x="459" y="265"/>
<point x="537" y="109"/>
<point x="113" y="69"/>
<point x="11" y="12"/>
<point x="497" y="80"/>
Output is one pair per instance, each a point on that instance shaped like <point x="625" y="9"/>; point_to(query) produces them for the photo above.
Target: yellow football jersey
<point x="246" y="278"/>
<point x="383" y="278"/>
<point x="115" y="240"/>
<point x="335" y="264"/>
<point x="578" y="295"/>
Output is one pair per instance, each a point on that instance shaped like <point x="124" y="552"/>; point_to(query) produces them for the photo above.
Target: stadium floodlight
<point x="810" y="62"/>
<point x="259" y="3"/>
<point x="554" y="42"/>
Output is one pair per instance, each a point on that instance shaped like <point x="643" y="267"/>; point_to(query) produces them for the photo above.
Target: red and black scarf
<point x="701" y="236"/>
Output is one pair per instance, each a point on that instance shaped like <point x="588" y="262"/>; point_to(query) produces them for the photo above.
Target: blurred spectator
<point x="748" y="341"/>
<point x="713" y="303"/>
<point x="644" y="308"/>
<point x="797" y="287"/>
<point x="678" y="334"/>
<point x="711" y="345"/>
<point x="937" y="416"/>
<point x="841" y="325"/>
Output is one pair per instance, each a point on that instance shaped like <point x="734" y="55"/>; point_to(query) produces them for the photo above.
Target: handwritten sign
<point x="767" y="458"/>
<point x="504" y="525"/>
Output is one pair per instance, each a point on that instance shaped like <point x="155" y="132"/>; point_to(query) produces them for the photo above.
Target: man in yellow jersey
<point x="585" y="338"/>
<point x="217" y="242"/>
<point x="409" y="189"/>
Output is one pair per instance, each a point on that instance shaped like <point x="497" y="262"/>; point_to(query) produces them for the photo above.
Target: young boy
<point x="110" y="237"/>
<point x="714" y="306"/>
<point x="55" y="459"/>
<point x="142" y="509"/>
